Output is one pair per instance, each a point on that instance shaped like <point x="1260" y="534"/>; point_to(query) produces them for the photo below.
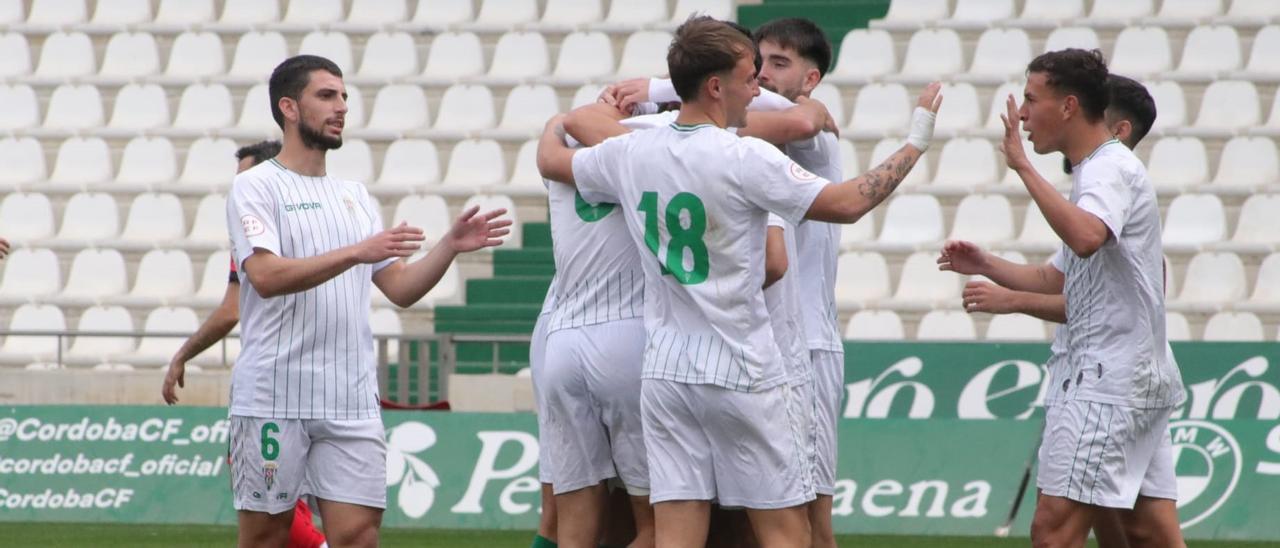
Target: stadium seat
<point x="584" y="56"/>
<point x="860" y="232"/>
<point x="1212" y="280"/>
<point x="22" y="109"/>
<point x="255" y="112"/>
<point x="829" y="95"/>
<point x="30" y="274"/>
<point x="1072" y="37"/>
<point x="1258" y="226"/>
<point x="932" y="54"/>
<point x="398" y="108"/>
<point x="586" y="94"/>
<point x="196" y="55"/>
<point x="985" y="219"/>
<point x="862" y="278"/>
<point x="249" y="12"/>
<point x="1176" y="163"/>
<point x="849" y="161"/>
<point x="476" y="163"/>
<point x="519" y="56"/>
<point x="489" y="202"/>
<point x="570" y="14"/>
<point x="1263" y="64"/>
<point x="1176" y="327"/>
<point x="644" y="54"/>
<point x="26" y="216"/>
<point x="428" y="212"/>
<point x="1171" y="105"/>
<point x="1036" y="234"/>
<point x="635" y="15"/>
<point x="183" y="13"/>
<point x="109" y="319"/>
<point x="154" y="218"/>
<point x="389" y="55"/>
<point x="213" y="283"/>
<point x="1141" y="51"/>
<point x="17" y="58"/>
<point x="719" y="9"/>
<point x="57" y="12"/>
<point x="210" y="161"/>
<point x="921" y="283"/>
<point x="95" y="274"/>
<point x="1188" y="10"/>
<point x="66" y="55"/>
<point x="163" y="276"/>
<point x="443" y="13"/>
<point x="23" y="161"/>
<point x="454" y="55"/>
<point x="210" y="224"/>
<point x="1208" y="52"/>
<point x="504" y="14"/>
<point x="1227" y="107"/>
<point x="257" y="54"/>
<point x="130" y="55"/>
<point x="1266" y="292"/>
<point x="74" y="108"/>
<point x="465" y="108"/>
<point x="525" y="173"/>
<point x="864" y="54"/>
<point x="410" y="163"/>
<point x="880" y="110"/>
<point x="332" y="45"/>
<point x="978" y="14"/>
<point x="204" y="107"/>
<point x="946" y="325"/>
<point x="154" y="350"/>
<point x="352" y="162"/>
<point x="82" y="160"/>
<point x="386" y="322"/>
<point x="1015" y="327"/>
<point x="1049" y="13"/>
<point x="886" y="147"/>
<point x="527" y="110"/>
<point x="994" y="127"/>
<point x="1121" y="11"/>
<point x="147" y="161"/>
<point x="309" y="13"/>
<point x="26" y="348"/>
<point x="912" y="14"/>
<point x="965" y="164"/>
<point x="140" y="107"/>
<point x="1193" y="220"/>
<point x="1250" y="13"/>
<point x="1272" y="127"/>
<point x="867" y="325"/>
<point x="1246" y="162"/>
<point x="1000" y="54"/>
<point x="13" y="12"/>
<point x="1233" y="326"/>
<point x="378" y="13"/>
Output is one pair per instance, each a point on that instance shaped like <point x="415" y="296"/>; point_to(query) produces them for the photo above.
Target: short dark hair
<point x="292" y="76"/>
<point x="261" y="151"/>
<point x="800" y="35"/>
<point x="1131" y="101"/>
<point x="702" y="47"/>
<point x="1078" y="72"/>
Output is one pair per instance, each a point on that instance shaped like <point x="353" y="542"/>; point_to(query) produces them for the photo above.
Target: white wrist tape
<point x="922" y="121"/>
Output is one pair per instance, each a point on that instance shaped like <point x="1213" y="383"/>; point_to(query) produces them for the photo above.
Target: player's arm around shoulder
<point x="555" y="158"/>
<point x="802" y="122"/>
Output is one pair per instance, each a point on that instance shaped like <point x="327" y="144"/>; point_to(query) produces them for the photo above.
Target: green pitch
<point x="110" y="535"/>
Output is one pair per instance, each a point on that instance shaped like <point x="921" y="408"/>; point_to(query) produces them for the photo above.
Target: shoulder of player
<point x="1114" y="163"/>
<point x="258" y="177"/>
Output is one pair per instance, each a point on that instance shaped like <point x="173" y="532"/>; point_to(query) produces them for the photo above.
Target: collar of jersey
<point x="1100" y="147"/>
<point x="281" y="166"/>
<point x="687" y="127"/>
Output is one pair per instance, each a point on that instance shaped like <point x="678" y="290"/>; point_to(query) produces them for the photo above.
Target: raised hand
<point x="473" y="230"/>
<point x="963" y="257"/>
<point x="401" y="241"/>
<point x="931" y="98"/>
<point x="925" y="116"/>
<point x="1011" y="144"/>
<point x="626" y="94"/>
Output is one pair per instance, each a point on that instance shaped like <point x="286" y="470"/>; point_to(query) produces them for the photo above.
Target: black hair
<point x="261" y="151"/>
<point x="292" y="76"/>
<point x="801" y="35"/>
<point x="1131" y="101"/>
<point x="1078" y="72"/>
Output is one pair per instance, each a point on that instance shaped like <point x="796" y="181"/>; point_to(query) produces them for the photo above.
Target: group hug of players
<point x="688" y="352"/>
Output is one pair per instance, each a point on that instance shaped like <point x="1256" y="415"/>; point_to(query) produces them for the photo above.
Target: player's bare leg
<point x="581" y="514"/>
<point x="350" y="525"/>
<point x="263" y="530"/>
<point x="681" y="523"/>
<point x="1153" y="523"/>
<point x="643" y="526"/>
<point x="547" y="522"/>
<point x="1060" y="522"/>
<point x="820" y="522"/>
<point x="784" y="527"/>
<point x="1108" y="529"/>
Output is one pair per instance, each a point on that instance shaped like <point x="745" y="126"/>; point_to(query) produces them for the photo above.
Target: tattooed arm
<point x="848" y="201"/>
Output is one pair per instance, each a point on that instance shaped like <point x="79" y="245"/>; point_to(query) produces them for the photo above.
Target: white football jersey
<point x="696" y="200"/>
<point x="1115" y="298"/>
<point x="819" y="247"/>
<point x="783" y="300"/>
<point x="305" y="355"/>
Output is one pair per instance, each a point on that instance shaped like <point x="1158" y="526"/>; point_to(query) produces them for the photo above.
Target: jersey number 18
<point x="682" y="237"/>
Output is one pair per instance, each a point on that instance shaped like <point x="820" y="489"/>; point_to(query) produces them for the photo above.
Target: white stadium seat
<point x="1228" y="106"/>
<point x="181" y="13"/>
<point x="946" y="325"/>
<point x="74" y="107"/>
<point x="1001" y="54"/>
<point x="210" y="224"/>
<point x="999" y="105"/>
<point x="644" y="54"/>
<point x="1194" y="220"/>
<point x="584" y="56"/>
<point x="441" y="13"/>
<point x="1189" y="9"/>
<point x="1051" y="11"/>
<point x="57" y="12"/>
<point x="158" y="350"/>
<point x="454" y="55"/>
<point x="489" y="202"/>
<point x="1072" y="37"/>
<point x="932" y="54"/>
<point x="332" y="45"/>
<point x="410" y="163"/>
<point x="985" y="219"/>
<point x="861" y="279"/>
<point x="912" y="14"/>
<point x="886" y="147"/>
<point x="163" y="275"/>
<point x="1263" y="61"/>
<point x="102" y="319"/>
<point x="1015" y="327"/>
<point x="528" y="108"/>
<point x="17" y="58"/>
<point x="1171" y="104"/>
<point x="476" y="163"/>
<point x="966" y="163"/>
<point x="95" y="274"/>
<point x="1258" y="223"/>
<point x="210" y="161"/>
<point x="1213" y="279"/>
<point x="829" y="95"/>
<point x="912" y="219"/>
<point x="30" y="274"/>
<point x="719" y="9"/>
<point x="249" y="12"/>
<point x="571" y="13"/>
<point x="147" y="161"/>
<point x="13" y="11"/>
<point x="33" y="317"/>
<point x="506" y="13"/>
<point x="196" y="55"/>
<point x="864" y="54"/>
<point x="255" y="112"/>
<point x="1209" y="51"/>
<point x="399" y="107"/>
<point x="1140" y="51"/>
<point x="525" y="173"/>
<point x="635" y="14"/>
<point x="465" y="108"/>
<point x="378" y="12"/>
<point x="385" y="321"/>
<point x="131" y="55"/>
<point x="23" y="161"/>
<point x="154" y="218"/>
<point x="922" y="283"/>
<point x="204" y="107"/>
<point x="849" y="160"/>
<point x="313" y="12"/>
<point x="1036" y="231"/>
<point x="257" y="53"/>
<point x="140" y="107"/>
<point x="1233" y="326"/>
<point x="879" y="110"/>
<point x="22" y="109"/>
<point x="1252" y="11"/>
<point x="429" y="212"/>
<point x="520" y="55"/>
<point x="65" y="55"/>
<point x="1248" y="161"/>
<point x="213" y="283"/>
<point x="1266" y="292"/>
<point x="352" y="162"/>
<point x="1178" y="162"/>
<point x="868" y="325"/>
<point x="26" y="216"/>
<point x="860" y="232"/>
<point x="82" y="160"/>
<point x="1121" y="10"/>
<point x="389" y="55"/>
<point x="973" y="14"/>
<point x="1176" y="327"/>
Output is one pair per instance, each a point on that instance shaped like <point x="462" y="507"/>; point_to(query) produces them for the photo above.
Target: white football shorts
<point x="537" y="350"/>
<point x="828" y="376"/>
<point x="1106" y="455"/>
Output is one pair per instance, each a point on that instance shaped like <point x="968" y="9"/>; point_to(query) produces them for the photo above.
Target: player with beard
<point x="304" y="398"/>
